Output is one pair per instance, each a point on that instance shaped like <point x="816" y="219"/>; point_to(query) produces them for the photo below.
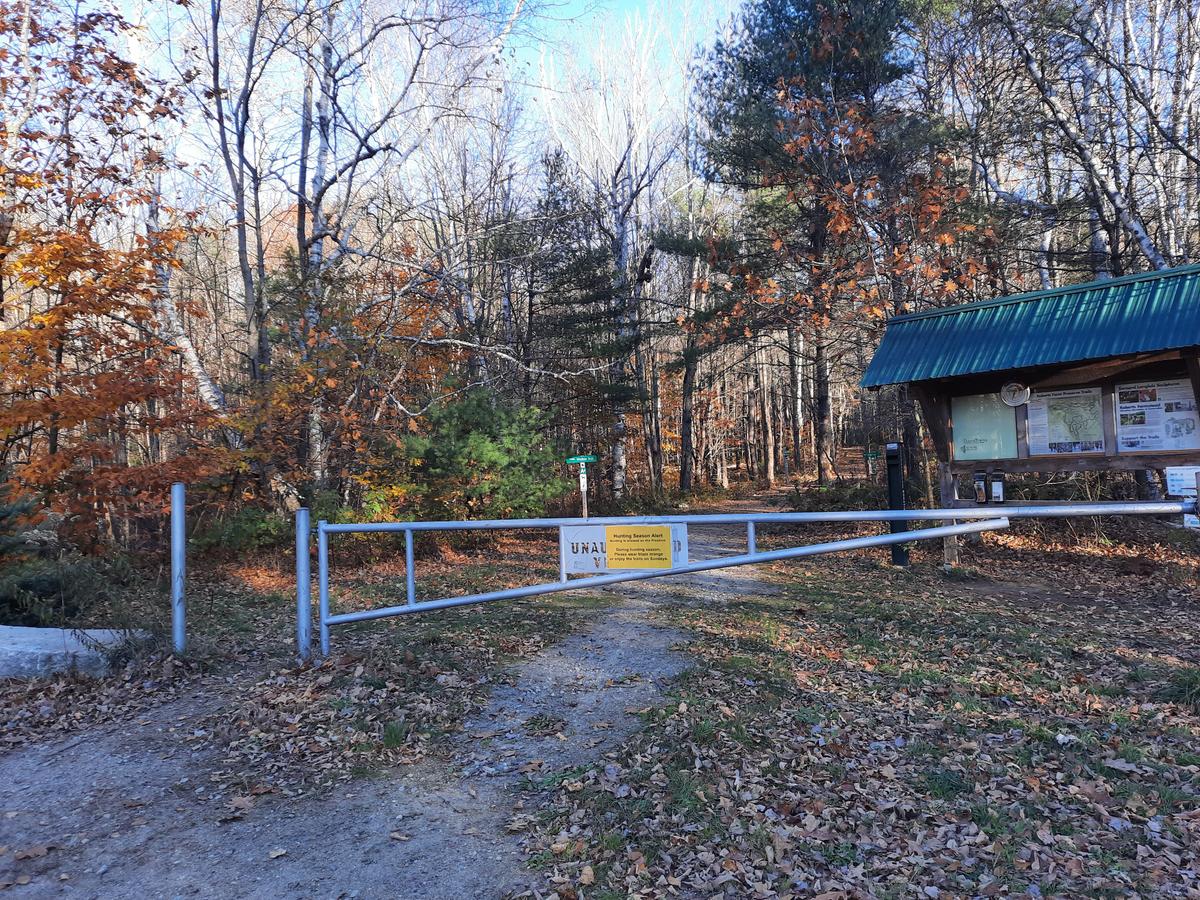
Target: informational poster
<point x="1066" y="421"/>
<point x="1157" y="415"/>
<point x="585" y="548"/>
<point x="638" y="546"/>
<point x="983" y="427"/>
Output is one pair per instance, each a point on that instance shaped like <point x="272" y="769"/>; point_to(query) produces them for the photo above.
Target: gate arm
<point x="723" y="562"/>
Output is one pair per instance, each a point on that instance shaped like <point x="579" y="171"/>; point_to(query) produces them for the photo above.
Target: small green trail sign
<point x="582" y="461"/>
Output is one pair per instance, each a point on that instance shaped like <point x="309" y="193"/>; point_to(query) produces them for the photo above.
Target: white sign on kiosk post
<point x="1181" y="482"/>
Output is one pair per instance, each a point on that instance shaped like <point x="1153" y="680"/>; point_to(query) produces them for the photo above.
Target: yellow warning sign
<point x="638" y="546"/>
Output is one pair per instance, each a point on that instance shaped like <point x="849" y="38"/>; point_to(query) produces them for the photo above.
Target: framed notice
<point x="1157" y="416"/>
<point x="1067" y="421"/>
<point x="588" y="550"/>
<point x="1181" y="480"/>
<point x="638" y="546"/>
<point x="983" y="427"/>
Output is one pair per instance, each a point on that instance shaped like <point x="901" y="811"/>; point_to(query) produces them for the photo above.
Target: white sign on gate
<point x="1181" y="482"/>
<point x="584" y="551"/>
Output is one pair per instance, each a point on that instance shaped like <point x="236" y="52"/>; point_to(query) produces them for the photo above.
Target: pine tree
<point x="14" y="518"/>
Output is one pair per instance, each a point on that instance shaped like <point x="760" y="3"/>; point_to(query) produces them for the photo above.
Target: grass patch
<point x="1183" y="687"/>
<point x="946" y="784"/>
<point x="395" y="734"/>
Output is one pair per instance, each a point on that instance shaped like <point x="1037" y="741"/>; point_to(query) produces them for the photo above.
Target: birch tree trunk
<point x="1095" y="167"/>
<point x="618" y="364"/>
<point x="313" y="275"/>
<point x="768" y="420"/>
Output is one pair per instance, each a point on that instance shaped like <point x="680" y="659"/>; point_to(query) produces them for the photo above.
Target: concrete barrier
<point x="33" y="652"/>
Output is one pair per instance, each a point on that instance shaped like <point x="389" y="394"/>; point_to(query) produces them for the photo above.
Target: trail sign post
<point x="582" y="461"/>
<point x="895" y="483"/>
<point x="870" y="457"/>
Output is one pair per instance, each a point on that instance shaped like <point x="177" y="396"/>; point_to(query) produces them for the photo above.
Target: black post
<point x="895" y="481"/>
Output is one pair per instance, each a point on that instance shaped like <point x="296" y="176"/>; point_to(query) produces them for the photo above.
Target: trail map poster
<point x="1067" y="421"/>
<point x="984" y="427"/>
<point x="1157" y="415"/>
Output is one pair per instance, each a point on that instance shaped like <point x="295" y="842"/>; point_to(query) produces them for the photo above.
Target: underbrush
<point x="246" y="530"/>
<point x="671" y="502"/>
<point x="61" y="592"/>
<point x="839" y="495"/>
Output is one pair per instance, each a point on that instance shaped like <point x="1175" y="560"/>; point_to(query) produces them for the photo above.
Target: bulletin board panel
<point x="1066" y="422"/>
<point x="1109" y="416"/>
<point x="983" y="427"/>
<point x="1156" y="416"/>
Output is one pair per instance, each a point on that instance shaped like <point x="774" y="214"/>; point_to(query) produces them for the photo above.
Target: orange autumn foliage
<point x="91" y="391"/>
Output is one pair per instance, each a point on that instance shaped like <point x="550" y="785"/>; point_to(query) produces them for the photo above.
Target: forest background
<point x="398" y="260"/>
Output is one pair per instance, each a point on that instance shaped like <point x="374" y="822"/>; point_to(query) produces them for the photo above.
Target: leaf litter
<point x="877" y="733"/>
<point x="861" y="732"/>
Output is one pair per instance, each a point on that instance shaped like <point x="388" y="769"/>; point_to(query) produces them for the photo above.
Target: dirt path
<point x="130" y="810"/>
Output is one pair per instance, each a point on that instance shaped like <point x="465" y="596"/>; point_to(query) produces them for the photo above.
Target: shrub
<point x="1184" y="687"/>
<point x="56" y="592"/>
<point x="13" y="516"/>
<point x="482" y="459"/>
<point x="246" y="530"/>
<point x="839" y="495"/>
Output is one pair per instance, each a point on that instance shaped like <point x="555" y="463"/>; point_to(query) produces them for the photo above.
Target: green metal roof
<point x="1142" y="313"/>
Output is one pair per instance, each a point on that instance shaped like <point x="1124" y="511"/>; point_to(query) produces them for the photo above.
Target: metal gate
<point x="977" y="520"/>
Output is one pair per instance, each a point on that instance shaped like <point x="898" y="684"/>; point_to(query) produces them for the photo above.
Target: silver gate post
<point x="178" y="566"/>
<point x="410" y="575"/>
<point x="562" y="555"/>
<point x="323" y="585"/>
<point x="751" y="538"/>
<point x="303" y="587"/>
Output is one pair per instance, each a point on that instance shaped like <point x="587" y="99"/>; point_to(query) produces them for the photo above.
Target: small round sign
<point x="1015" y="394"/>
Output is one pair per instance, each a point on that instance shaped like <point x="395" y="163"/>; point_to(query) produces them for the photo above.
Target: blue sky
<point x="557" y="27"/>
<point x="563" y="24"/>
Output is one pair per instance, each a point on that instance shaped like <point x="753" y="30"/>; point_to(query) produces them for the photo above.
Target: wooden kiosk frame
<point x="1032" y="351"/>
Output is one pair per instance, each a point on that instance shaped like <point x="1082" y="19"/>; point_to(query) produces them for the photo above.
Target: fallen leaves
<point x="40" y="708"/>
<point x="33" y="852"/>
<point x="904" y="735"/>
<point x="518" y="823"/>
<point x="375" y="705"/>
